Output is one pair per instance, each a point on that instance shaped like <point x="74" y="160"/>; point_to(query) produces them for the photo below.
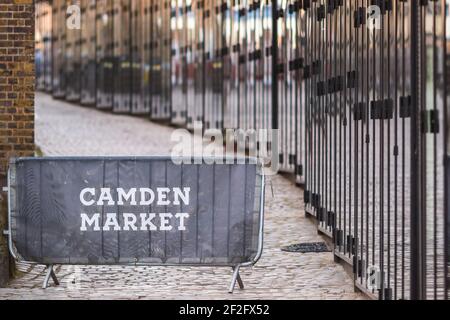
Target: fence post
<point x="4" y="254"/>
<point x="417" y="215"/>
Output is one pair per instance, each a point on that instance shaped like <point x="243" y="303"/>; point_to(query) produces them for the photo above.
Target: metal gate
<point x="357" y="89"/>
<point x="88" y="51"/>
<point x="105" y="62"/>
<point x="375" y="170"/>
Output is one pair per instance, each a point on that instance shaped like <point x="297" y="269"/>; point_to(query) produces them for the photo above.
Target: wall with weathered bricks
<point x="16" y="97"/>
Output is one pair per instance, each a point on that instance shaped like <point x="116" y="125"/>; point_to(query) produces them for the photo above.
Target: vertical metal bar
<point x="274" y="65"/>
<point x="435" y="172"/>
<point x="354" y="243"/>
<point x="446" y="161"/>
<point x="351" y="147"/>
<point x="342" y="70"/>
<point x="395" y="8"/>
<point x="388" y="151"/>
<point x="381" y="167"/>
<point x="360" y="249"/>
<point x="403" y="134"/>
<point x="95" y="52"/>
<point x="367" y="144"/>
<point x="417" y="241"/>
<point x="347" y="22"/>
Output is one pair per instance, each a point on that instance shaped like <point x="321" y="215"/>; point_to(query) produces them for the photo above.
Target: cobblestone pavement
<point x="64" y="129"/>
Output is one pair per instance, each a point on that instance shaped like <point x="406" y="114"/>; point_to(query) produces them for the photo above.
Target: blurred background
<point x="357" y="89"/>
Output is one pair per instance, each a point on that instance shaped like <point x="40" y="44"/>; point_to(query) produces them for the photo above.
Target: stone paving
<point x="65" y="129"/>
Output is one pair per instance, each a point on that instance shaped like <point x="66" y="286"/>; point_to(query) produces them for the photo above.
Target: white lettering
<point x="182" y="216"/>
<point x="129" y="222"/>
<point x="147" y="222"/>
<point x="105" y="195"/>
<point x="134" y="222"/>
<point x="162" y="196"/>
<point x="165" y="221"/>
<point x="144" y="192"/>
<point x="122" y="195"/>
<point x="83" y="199"/>
<point x="183" y="195"/>
<point x="86" y="221"/>
<point x="111" y="221"/>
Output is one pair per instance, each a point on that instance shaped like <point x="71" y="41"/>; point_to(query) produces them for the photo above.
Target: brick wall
<point x="16" y="97"/>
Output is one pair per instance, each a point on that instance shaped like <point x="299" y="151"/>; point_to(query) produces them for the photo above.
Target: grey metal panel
<point x="174" y="176"/>
<point x="165" y="57"/>
<point x="220" y="216"/>
<point x="122" y="56"/>
<point x="191" y="43"/>
<point x="189" y="239"/>
<point x="223" y="208"/>
<point x="58" y="56"/>
<point x="243" y="60"/>
<point x="205" y="208"/>
<point x="160" y="68"/>
<point x="178" y="63"/>
<point x="110" y="240"/>
<point x="88" y="48"/>
<point x="158" y="239"/>
<point x="146" y="62"/>
<point x="105" y="74"/>
<point x="72" y="58"/>
<point x="137" y="52"/>
<point x="199" y="62"/>
<point x="132" y="173"/>
<point x="237" y="211"/>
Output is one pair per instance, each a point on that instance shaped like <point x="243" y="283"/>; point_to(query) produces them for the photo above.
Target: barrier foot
<point x="236" y="277"/>
<point x="50" y="273"/>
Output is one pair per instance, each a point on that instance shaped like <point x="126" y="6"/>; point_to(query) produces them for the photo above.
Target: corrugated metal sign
<point x="136" y="210"/>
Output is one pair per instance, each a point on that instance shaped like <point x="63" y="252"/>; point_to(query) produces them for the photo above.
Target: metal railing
<point x="375" y="141"/>
<point x="358" y="90"/>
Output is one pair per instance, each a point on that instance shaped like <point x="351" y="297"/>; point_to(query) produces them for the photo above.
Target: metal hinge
<point x="430" y="121"/>
<point x="5" y="189"/>
<point x="359" y="111"/>
<point x="381" y="109"/>
<point x="338" y="237"/>
<point x="358" y="266"/>
<point x="405" y="107"/>
<point x="6" y="232"/>
<point x="306" y="196"/>
<point x="351" y="244"/>
<point x="330" y="219"/>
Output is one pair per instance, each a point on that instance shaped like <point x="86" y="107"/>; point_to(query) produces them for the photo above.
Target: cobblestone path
<point x="65" y="129"/>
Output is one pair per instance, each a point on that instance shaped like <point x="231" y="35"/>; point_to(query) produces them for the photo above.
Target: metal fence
<point x="357" y="88"/>
<point x="375" y="174"/>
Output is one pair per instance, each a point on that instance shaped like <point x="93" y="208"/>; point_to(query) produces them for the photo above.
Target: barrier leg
<point x="236" y="277"/>
<point x="50" y="273"/>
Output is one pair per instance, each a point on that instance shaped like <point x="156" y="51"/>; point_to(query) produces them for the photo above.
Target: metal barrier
<point x="358" y="90"/>
<point x="136" y="211"/>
